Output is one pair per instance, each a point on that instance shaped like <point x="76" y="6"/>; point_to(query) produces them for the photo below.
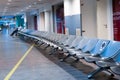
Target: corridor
<point x="20" y="61"/>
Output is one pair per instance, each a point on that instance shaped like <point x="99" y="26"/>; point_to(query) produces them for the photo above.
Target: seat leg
<point x="111" y="74"/>
<point x="36" y="42"/>
<point x="76" y="60"/>
<point x="39" y="44"/>
<point x="92" y="74"/>
<point x="46" y="46"/>
<point x="65" y="58"/>
<point x="52" y="51"/>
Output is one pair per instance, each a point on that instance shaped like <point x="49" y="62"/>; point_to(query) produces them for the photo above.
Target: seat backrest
<point x="111" y="50"/>
<point x="99" y="47"/>
<point x="63" y="38"/>
<point x="50" y="37"/>
<point x="82" y="43"/>
<point x="35" y="33"/>
<point x="69" y="40"/>
<point x="116" y="58"/>
<point x="76" y="41"/>
<point x="57" y="37"/>
<point x="90" y="45"/>
<point x="27" y="31"/>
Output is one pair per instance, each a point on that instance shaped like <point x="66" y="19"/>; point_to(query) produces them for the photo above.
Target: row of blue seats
<point x="104" y="53"/>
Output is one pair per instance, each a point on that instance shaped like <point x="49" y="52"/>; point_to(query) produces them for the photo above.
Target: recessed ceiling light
<point x="8" y="3"/>
<point x="35" y="3"/>
<point x="6" y="7"/>
<point x="9" y="0"/>
<point x="22" y="10"/>
<point x="29" y="6"/>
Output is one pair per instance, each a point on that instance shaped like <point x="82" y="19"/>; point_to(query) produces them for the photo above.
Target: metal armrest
<point x="95" y="55"/>
<point x="106" y="59"/>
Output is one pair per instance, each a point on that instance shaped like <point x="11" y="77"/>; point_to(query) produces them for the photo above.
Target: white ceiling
<point x="13" y="7"/>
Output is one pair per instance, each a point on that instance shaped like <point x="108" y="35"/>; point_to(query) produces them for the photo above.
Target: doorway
<point x="102" y="19"/>
<point x="89" y="19"/>
<point x="35" y="22"/>
<point x="59" y="18"/>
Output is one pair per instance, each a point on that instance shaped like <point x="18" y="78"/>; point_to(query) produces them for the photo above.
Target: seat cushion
<point x="106" y="64"/>
<point x="92" y="59"/>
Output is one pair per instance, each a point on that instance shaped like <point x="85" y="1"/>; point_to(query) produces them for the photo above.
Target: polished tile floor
<point x="35" y="66"/>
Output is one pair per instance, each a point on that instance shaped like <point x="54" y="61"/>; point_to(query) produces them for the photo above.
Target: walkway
<point x="34" y="66"/>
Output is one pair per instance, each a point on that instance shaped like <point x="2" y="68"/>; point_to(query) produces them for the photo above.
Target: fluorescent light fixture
<point x="9" y="0"/>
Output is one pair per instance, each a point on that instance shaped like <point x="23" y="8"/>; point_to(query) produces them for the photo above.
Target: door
<point x="88" y="11"/>
<point x="102" y="19"/>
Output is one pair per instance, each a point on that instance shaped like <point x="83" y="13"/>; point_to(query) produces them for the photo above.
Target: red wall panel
<point x="116" y="19"/>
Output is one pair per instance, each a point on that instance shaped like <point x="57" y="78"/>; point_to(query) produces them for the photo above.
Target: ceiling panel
<point x="11" y="7"/>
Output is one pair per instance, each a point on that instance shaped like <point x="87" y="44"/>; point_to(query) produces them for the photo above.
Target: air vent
<point x="17" y="1"/>
<point x="42" y="2"/>
<point x="14" y="6"/>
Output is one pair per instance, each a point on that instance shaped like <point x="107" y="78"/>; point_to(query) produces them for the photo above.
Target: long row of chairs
<point x="103" y="53"/>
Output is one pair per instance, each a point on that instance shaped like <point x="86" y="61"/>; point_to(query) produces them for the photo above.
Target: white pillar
<point x="72" y="15"/>
<point x="110" y="20"/>
<point x="42" y="21"/>
<point x="47" y="21"/>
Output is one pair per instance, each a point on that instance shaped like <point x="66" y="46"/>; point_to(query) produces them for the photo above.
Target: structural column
<point x="72" y="15"/>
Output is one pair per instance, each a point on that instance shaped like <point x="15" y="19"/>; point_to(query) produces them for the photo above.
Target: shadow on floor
<point x="70" y="67"/>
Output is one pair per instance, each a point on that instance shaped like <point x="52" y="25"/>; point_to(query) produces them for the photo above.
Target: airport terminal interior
<point x="59" y="39"/>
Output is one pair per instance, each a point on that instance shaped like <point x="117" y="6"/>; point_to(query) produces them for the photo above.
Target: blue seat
<point x="70" y="40"/>
<point x="68" y="44"/>
<point x="87" y="49"/>
<point x="97" y="50"/>
<point x="113" y="63"/>
<point x="75" y="42"/>
<point x="72" y="44"/>
<point x="72" y="52"/>
<point x="109" y="57"/>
